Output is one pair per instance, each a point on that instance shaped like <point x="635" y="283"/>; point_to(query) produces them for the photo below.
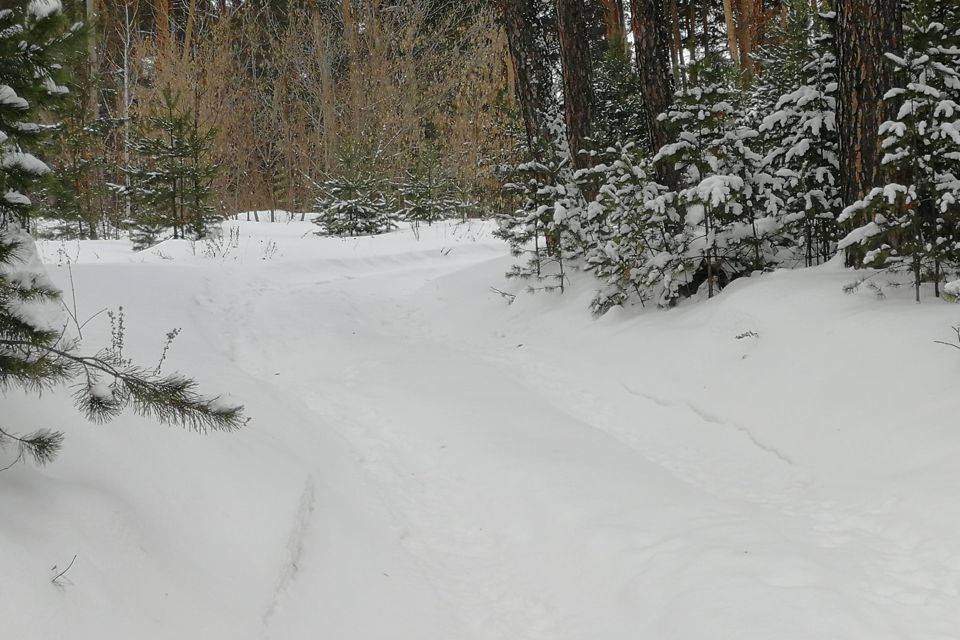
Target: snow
<point x="426" y="461"/>
<point x="26" y="162"/>
<point x="953" y="288"/>
<point x="15" y="197"/>
<point x="9" y="97"/>
<point x="42" y="9"/>
<point x="27" y="272"/>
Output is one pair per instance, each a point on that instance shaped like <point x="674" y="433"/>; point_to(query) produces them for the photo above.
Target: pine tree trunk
<point x="732" y="39"/>
<point x="577" y="89"/>
<point x="867" y="29"/>
<point x="651" y="42"/>
<point x="353" y="55"/>
<point x="127" y="102"/>
<point x="534" y="86"/>
<point x="188" y="30"/>
<point x="679" y="74"/>
<point x="328" y="97"/>
<point x="613" y="21"/>
<point x="705" y="17"/>
<point x="749" y="14"/>
<point x="162" y="18"/>
<point x="692" y="31"/>
<point x="93" y="61"/>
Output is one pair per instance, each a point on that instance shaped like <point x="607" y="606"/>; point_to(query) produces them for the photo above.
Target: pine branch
<point x="43" y="446"/>
<point x="171" y="399"/>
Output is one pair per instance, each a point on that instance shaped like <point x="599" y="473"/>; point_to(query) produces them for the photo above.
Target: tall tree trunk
<point x="353" y="55"/>
<point x="534" y="85"/>
<point x="867" y="29"/>
<point x="679" y="72"/>
<point x="577" y="89"/>
<point x="162" y="18"/>
<point x="705" y="17"/>
<point x="692" y="30"/>
<point x="651" y="43"/>
<point x="750" y="16"/>
<point x="329" y="96"/>
<point x="188" y="30"/>
<point x="613" y="21"/>
<point x="126" y="96"/>
<point x="732" y="39"/>
<point x="93" y="61"/>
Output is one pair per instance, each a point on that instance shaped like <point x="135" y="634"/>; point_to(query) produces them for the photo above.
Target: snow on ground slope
<point x="428" y="462"/>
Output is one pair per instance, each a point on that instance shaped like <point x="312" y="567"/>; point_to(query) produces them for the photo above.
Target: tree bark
<point x="679" y="72"/>
<point x="353" y="55"/>
<point x="93" y="61"/>
<point x="534" y="86"/>
<point x="705" y="17"/>
<point x="732" y="36"/>
<point x="613" y="21"/>
<point x="651" y="43"/>
<point x="577" y="89"/>
<point x="867" y="29"/>
<point x="162" y="13"/>
<point x="749" y="14"/>
<point x="328" y="96"/>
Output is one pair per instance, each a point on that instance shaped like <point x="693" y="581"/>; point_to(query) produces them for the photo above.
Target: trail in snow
<point x="384" y="407"/>
<point x="428" y="463"/>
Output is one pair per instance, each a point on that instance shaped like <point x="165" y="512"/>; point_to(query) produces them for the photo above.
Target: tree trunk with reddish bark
<point x="867" y="30"/>
<point x="652" y="45"/>
<point x="577" y="88"/>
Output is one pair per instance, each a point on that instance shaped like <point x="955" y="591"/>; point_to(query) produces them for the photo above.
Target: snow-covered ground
<point x="427" y="462"/>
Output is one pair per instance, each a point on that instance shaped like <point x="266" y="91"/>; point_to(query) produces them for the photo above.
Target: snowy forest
<point x="660" y="146"/>
<point x="510" y="319"/>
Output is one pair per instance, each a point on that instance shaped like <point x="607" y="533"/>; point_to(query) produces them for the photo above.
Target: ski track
<point x="295" y="548"/>
<point x="474" y="570"/>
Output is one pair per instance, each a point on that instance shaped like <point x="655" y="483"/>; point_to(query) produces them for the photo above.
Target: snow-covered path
<point x="427" y="462"/>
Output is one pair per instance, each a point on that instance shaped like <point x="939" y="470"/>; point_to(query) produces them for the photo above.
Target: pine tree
<point x="619" y="115"/>
<point x="33" y="37"/>
<point x="727" y="198"/>
<point x="915" y="217"/>
<point x="795" y="101"/>
<point x="545" y="226"/>
<point x="171" y="182"/>
<point x="34" y="353"/>
<point x="537" y="187"/>
<point x="628" y="227"/>
<point x="428" y="194"/>
<point x="76" y="195"/>
<point x="355" y="201"/>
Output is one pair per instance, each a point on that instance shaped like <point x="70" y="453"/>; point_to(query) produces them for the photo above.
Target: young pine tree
<point x="629" y="230"/>
<point x="172" y="179"/>
<point x="428" y="194"/>
<point x="34" y="353"/>
<point x="354" y="201"/>
<point x="722" y="189"/>
<point x="76" y="195"/>
<point x="619" y="115"/>
<point x="33" y="37"/>
<point x="799" y="128"/>
<point x="544" y="229"/>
